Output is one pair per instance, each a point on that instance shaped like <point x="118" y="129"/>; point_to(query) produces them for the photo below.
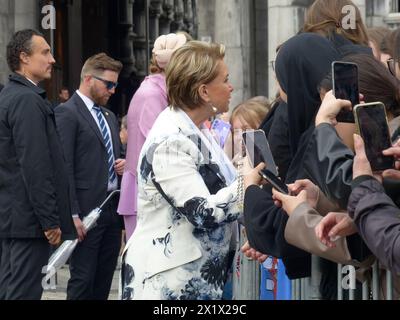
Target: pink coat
<point x="147" y="103"/>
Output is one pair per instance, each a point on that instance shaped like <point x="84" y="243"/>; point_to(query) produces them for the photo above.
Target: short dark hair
<point x="63" y="88"/>
<point x="21" y="41"/>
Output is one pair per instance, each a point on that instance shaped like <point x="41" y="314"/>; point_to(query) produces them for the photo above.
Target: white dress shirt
<point x="90" y="104"/>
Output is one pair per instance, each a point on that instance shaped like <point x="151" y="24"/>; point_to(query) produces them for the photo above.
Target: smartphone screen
<point x="345" y="86"/>
<point x="274" y="181"/>
<point x="374" y="129"/>
<point x="221" y="129"/>
<point x="258" y="150"/>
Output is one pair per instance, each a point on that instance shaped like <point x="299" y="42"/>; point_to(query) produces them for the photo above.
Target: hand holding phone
<point x="373" y="127"/>
<point x="345" y="87"/>
<point x="274" y="181"/>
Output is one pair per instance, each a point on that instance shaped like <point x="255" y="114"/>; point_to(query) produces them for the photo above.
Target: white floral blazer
<point x="182" y="252"/>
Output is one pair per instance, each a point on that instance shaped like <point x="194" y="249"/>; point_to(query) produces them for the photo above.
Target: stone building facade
<point x="250" y="29"/>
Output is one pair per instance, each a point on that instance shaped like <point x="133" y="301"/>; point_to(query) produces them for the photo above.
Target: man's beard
<point x="99" y="100"/>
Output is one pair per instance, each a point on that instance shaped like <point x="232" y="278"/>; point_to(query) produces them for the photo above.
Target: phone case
<point x="359" y="131"/>
<point x="344" y="115"/>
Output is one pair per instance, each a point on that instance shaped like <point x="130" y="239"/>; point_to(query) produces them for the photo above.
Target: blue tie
<point x="107" y="142"/>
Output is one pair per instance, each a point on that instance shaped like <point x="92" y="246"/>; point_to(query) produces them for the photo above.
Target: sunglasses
<point x="109" y="84"/>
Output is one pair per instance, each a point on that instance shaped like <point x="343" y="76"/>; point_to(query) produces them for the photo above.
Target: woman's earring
<point x="214" y="109"/>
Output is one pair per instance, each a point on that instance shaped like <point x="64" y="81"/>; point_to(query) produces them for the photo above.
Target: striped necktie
<point x="107" y="142"/>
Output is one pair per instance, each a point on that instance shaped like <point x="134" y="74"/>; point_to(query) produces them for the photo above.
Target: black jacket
<point x="377" y="219"/>
<point x="34" y="189"/>
<point x="85" y="152"/>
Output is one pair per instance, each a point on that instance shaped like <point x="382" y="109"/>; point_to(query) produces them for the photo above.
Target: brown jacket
<point x="300" y="232"/>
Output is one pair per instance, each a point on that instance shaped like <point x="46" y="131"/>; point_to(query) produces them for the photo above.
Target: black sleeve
<point x="378" y="221"/>
<point x="329" y="164"/>
<point x="28" y="120"/>
<point x="67" y="129"/>
<point x="265" y="224"/>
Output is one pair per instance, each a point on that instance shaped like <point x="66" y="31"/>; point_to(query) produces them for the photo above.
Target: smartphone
<point x="373" y="127"/>
<point x="274" y="181"/>
<point x="222" y="130"/>
<point x="345" y="86"/>
<point x="258" y="149"/>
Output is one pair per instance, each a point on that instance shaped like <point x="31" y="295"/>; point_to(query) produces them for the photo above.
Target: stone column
<point x="188" y="16"/>
<point x="177" y="24"/>
<point x="233" y="29"/>
<point x="167" y="16"/>
<point x="6" y="30"/>
<point x="284" y="21"/>
<point x="206" y="19"/>
<point x="139" y="38"/>
<point x="155" y="13"/>
<point x="26" y="14"/>
<point x="376" y="12"/>
<point x="125" y="27"/>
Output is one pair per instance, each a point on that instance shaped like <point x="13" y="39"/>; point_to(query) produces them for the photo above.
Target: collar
<point x="15" y="77"/>
<point x="89" y="103"/>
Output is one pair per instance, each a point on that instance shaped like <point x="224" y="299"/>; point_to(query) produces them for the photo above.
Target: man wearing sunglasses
<point x="90" y="137"/>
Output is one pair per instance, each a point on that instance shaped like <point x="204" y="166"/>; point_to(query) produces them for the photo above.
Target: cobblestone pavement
<point x="61" y="287"/>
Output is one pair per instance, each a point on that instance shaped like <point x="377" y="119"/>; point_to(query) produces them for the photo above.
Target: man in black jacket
<point x="90" y="136"/>
<point x="35" y="204"/>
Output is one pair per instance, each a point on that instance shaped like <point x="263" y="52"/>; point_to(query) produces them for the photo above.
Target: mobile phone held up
<point x="345" y="86"/>
<point x="221" y="130"/>
<point x="373" y="127"/>
<point x="274" y="181"/>
<point x="258" y="150"/>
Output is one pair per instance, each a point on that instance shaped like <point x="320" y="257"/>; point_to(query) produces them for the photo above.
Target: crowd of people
<point x="187" y="189"/>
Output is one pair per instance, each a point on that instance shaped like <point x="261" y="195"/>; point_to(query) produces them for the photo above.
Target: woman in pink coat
<point x="147" y="103"/>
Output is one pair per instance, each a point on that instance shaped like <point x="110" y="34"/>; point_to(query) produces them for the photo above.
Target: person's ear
<point x="203" y="93"/>
<point x="24" y="57"/>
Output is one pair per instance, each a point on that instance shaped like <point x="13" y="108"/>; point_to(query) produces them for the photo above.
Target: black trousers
<point x="22" y="262"/>
<point x="93" y="262"/>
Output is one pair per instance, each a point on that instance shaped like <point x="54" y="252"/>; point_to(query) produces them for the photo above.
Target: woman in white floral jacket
<point x="188" y="191"/>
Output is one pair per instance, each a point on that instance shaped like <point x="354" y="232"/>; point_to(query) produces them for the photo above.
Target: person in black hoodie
<point x="302" y="62"/>
<point x="34" y="190"/>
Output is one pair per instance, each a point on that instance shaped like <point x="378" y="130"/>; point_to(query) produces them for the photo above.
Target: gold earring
<point x="214" y="109"/>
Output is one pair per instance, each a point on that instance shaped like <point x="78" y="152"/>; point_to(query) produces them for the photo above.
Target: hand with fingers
<point x="53" y="236"/>
<point x="289" y="203"/>
<point x="80" y="229"/>
<point x="330" y="108"/>
<point x="251" y="175"/>
<point x="119" y="166"/>
<point x="253" y="254"/>
<point x="307" y="185"/>
<point x="394" y="152"/>
<point x="334" y="226"/>
<point x="361" y="165"/>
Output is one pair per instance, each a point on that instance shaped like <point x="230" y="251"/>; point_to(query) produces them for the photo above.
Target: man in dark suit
<point x="90" y="136"/>
<point x="35" y="203"/>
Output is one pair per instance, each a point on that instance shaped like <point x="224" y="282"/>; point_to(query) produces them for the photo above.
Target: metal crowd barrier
<point x="378" y="287"/>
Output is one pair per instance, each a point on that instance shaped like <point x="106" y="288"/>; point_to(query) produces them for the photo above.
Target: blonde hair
<point x="99" y="63"/>
<point x="251" y="111"/>
<point x="325" y="17"/>
<point x="194" y="64"/>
